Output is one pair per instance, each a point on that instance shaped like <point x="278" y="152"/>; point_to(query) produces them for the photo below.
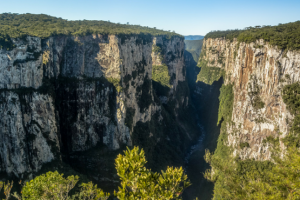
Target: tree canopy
<point x="137" y="182"/>
<point x="284" y="36"/>
<point x="43" y="26"/>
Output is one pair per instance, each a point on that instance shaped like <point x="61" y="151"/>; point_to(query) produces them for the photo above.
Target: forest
<point x="43" y="26"/>
<point x="284" y="36"/>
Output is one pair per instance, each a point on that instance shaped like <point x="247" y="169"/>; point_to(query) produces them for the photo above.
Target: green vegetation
<point x="256" y="101"/>
<point x="157" y="50"/>
<point x="244" y="144"/>
<point x="226" y="103"/>
<point x="285" y="36"/>
<point x="195" y="55"/>
<point x="248" y="179"/>
<point x="291" y="97"/>
<point x="160" y="74"/>
<point x="21" y="25"/>
<point x="194" y="47"/>
<point x="116" y="83"/>
<point x="137" y="182"/>
<point x="209" y="75"/>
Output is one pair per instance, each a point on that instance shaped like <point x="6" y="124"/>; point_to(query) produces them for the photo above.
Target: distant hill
<point x="193" y="37"/>
<point x="194" y="47"/>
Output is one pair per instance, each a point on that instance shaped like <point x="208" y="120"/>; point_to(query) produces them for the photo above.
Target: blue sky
<point x="189" y="17"/>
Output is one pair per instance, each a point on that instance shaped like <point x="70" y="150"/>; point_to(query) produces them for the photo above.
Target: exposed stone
<point x="257" y="74"/>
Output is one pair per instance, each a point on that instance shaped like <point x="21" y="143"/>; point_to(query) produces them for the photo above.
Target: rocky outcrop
<point x="258" y="73"/>
<point x="64" y="95"/>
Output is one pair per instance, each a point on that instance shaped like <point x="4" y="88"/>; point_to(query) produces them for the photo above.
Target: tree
<point x="51" y="185"/>
<point x="138" y="182"/>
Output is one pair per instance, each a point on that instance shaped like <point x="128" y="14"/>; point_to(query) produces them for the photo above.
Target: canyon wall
<point x="64" y="95"/>
<point x="258" y="72"/>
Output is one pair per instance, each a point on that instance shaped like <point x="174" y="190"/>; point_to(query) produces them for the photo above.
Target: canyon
<point x="76" y="102"/>
<point x="72" y="103"/>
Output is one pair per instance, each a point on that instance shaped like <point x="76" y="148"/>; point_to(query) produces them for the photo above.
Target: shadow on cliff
<point x="205" y="101"/>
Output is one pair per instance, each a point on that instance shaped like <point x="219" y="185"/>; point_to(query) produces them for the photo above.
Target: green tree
<point x="138" y="182"/>
<point x="51" y="185"/>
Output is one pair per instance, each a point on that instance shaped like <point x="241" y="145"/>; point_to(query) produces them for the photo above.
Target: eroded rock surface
<point x="258" y="73"/>
<point x="63" y="95"/>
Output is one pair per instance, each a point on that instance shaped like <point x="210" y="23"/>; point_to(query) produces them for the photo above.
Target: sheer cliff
<point x="257" y="73"/>
<point x="81" y="98"/>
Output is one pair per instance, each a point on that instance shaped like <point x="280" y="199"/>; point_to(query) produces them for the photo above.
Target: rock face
<point x="258" y="73"/>
<point x="63" y="95"/>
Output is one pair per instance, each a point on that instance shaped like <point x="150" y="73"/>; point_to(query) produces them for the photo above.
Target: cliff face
<point x="258" y="73"/>
<point x="63" y="95"/>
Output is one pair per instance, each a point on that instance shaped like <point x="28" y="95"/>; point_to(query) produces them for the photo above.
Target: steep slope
<point x="258" y="73"/>
<point x="82" y="98"/>
<point x="194" y="47"/>
<point x="253" y="112"/>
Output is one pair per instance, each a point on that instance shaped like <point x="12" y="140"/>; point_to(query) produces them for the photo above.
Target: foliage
<point x="284" y="36"/>
<point x="209" y="75"/>
<point x="194" y="53"/>
<point x="138" y="182"/>
<point x="116" y="83"/>
<point x="89" y="191"/>
<point x="51" y="185"/>
<point x="226" y="99"/>
<point x="248" y="179"/>
<point x="158" y="51"/>
<point x="291" y="97"/>
<point x="256" y="101"/>
<point x="21" y="25"/>
<point x="229" y="34"/>
<point x="193" y="45"/>
<point x="160" y="74"/>
<point x="7" y="188"/>
<point x="244" y="144"/>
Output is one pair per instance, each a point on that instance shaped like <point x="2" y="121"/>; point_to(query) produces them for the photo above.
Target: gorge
<point x="72" y="99"/>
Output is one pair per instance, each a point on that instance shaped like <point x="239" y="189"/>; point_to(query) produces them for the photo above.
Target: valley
<point x="75" y="94"/>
